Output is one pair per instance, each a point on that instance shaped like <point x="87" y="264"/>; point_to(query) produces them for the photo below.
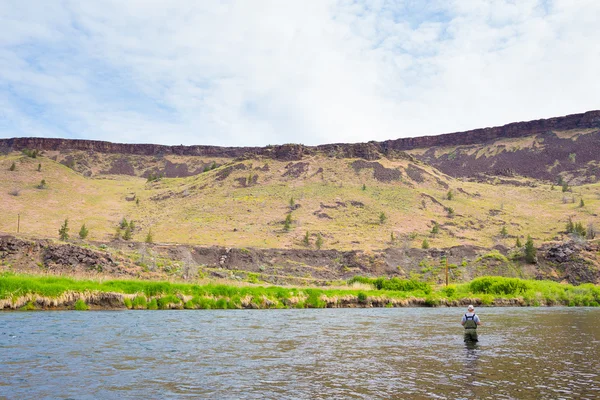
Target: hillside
<point x="473" y="196"/>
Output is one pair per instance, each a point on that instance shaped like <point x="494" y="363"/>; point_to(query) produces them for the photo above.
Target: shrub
<point x="12" y="167"/>
<point x="382" y="218"/>
<point x="436" y="228"/>
<point x="591" y="231"/>
<point x="362" y="297"/>
<point x="518" y="243"/>
<point x="504" y="231"/>
<point x="80" y="305"/>
<point x="425" y="244"/>
<point x="39" y="169"/>
<point x="499" y="285"/>
<point x="127" y="234"/>
<point x="581" y="203"/>
<point x="123" y="224"/>
<point x="450" y="195"/>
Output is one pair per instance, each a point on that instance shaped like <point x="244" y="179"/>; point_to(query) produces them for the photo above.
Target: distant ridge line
<point x="370" y="150"/>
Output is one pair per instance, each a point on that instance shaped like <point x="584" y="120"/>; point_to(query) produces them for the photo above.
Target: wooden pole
<point x="18" y="222"/>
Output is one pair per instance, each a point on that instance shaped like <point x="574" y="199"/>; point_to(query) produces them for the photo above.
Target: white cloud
<point x="241" y="73"/>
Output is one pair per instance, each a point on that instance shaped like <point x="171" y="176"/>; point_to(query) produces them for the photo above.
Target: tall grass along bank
<point x="35" y="292"/>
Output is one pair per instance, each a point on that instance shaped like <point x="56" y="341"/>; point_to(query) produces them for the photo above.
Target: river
<point x="409" y="353"/>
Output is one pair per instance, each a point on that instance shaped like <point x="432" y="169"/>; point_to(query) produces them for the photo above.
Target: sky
<point x="261" y="72"/>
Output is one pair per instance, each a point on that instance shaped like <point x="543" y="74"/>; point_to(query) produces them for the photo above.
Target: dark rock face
<point x="380" y="172"/>
<point x="291" y="152"/>
<point x="527" y="162"/>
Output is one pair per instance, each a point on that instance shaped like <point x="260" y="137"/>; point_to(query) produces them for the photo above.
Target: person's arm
<point x="477" y="320"/>
<point x="463" y="320"/>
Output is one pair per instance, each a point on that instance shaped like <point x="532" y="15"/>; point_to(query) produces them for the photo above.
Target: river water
<point x="410" y="353"/>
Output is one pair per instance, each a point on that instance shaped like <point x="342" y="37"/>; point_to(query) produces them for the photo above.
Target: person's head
<point x="471" y="308"/>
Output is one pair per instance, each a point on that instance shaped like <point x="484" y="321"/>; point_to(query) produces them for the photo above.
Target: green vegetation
<point x="42" y="184"/>
<point x="19" y="290"/>
<point x="319" y="242"/>
<point x="450" y="195"/>
<point x="306" y="239"/>
<point x="83" y="232"/>
<point x="80" y="305"/>
<point x="504" y="231"/>
<point x="530" y="251"/>
<point x="436" y="228"/>
<point x="63" y="232"/>
<point x="31" y="153"/>
<point x="287" y="223"/>
<point x="382" y="218"/>
<point x="149" y="237"/>
<point x="12" y="167"/>
<point x="425" y="244"/>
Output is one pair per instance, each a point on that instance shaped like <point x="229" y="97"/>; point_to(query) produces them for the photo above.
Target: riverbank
<point x="26" y="292"/>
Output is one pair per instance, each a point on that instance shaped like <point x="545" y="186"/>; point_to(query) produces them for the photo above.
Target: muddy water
<point x="529" y="353"/>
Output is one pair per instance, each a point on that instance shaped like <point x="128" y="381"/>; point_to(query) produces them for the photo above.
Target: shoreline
<point x="24" y="292"/>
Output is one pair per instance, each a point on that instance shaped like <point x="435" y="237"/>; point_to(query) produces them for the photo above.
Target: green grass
<point x="165" y="295"/>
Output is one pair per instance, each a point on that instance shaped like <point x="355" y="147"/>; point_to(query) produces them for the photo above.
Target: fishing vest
<point x="470" y="322"/>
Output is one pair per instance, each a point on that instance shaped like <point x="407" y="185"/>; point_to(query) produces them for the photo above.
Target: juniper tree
<point x="83" y="232"/>
<point x="288" y="222"/>
<point x="127" y="234"/>
<point x="319" y="241"/>
<point x="306" y="239"/>
<point x="149" y="238"/>
<point x="63" y="232"/>
<point x="530" y="251"/>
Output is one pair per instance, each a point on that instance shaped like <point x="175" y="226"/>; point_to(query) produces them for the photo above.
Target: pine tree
<point x="306" y="240"/>
<point x="450" y="195"/>
<point x="530" y="251"/>
<point x="518" y="243"/>
<point x="131" y="225"/>
<point x="149" y="238"/>
<point x="436" y="228"/>
<point x="581" y="203"/>
<point x="124" y="224"/>
<point x="83" y="232"/>
<point x="288" y="222"/>
<point x="13" y="167"/>
<point x="364" y="187"/>
<point x="39" y="167"/>
<point x="292" y="202"/>
<point x="63" y="232"/>
<point x="504" y="232"/>
<point x="319" y="241"/>
<point x="425" y="244"/>
<point x="570" y="226"/>
<point x="127" y="233"/>
<point x="382" y="218"/>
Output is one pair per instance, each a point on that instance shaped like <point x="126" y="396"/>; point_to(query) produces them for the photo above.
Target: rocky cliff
<point x="370" y="150"/>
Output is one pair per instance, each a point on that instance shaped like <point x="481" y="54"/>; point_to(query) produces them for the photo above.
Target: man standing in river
<point x="470" y="321"/>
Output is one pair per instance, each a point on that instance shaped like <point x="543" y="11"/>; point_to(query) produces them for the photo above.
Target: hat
<point x="470" y="307"/>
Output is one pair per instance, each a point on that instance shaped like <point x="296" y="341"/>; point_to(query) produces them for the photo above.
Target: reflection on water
<point x="301" y="354"/>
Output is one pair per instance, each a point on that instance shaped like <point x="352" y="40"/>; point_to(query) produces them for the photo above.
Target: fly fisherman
<point x="470" y="322"/>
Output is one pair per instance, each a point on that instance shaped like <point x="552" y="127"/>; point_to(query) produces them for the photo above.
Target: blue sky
<point x="252" y="73"/>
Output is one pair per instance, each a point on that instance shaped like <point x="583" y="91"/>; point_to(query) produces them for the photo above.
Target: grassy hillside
<point x="352" y="204"/>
